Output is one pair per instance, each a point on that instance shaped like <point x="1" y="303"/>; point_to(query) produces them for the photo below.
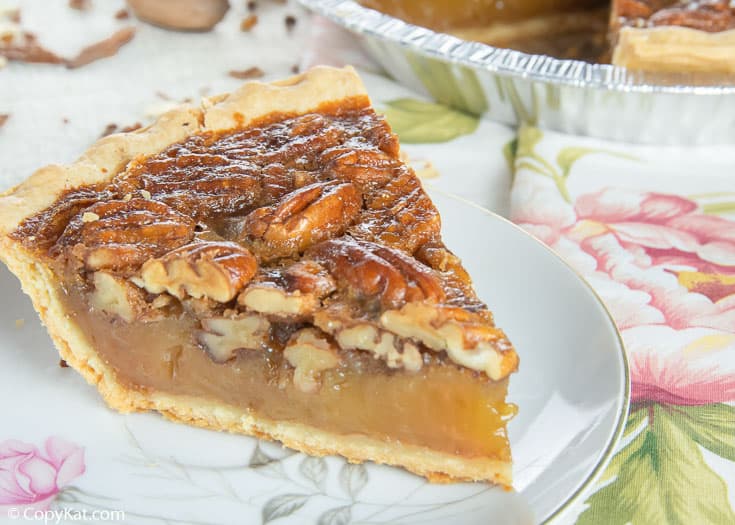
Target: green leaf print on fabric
<point x="660" y="477"/>
<point x="418" y="122"/>
<point x="568" y="156"/>
<point x="528" y="158"/>
<point x="509" y="152"/>
<point x="712" y="426"/>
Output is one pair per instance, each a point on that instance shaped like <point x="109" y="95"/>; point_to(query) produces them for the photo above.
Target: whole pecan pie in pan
<point x="687" y="36"/>
<point x="266" y="264"/>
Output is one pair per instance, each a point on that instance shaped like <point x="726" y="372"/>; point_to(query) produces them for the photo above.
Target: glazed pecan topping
<point x="400" y="215"/>
<point x="634" y="8"/>
<point x="373" y="272"/>
<point x="704" y="15"/>
<point x="122" y="234"/>
<point x="367" y="168"/>
<point x="712" y="17"/>
<point x="43" y="229"/>
<point x="195" y="182"/>
<point x="214" y="270"/>
<point x="302" y="218"/>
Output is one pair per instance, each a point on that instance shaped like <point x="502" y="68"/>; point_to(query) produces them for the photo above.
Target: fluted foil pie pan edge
<point x="511" y="87"/>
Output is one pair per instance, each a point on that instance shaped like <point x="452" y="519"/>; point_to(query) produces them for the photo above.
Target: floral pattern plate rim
<point x="63" y="451"/>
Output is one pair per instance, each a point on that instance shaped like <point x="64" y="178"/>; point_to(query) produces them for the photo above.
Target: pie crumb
<point x="11" y="14"/>
<point x="248" y="23"/>
<point x="252" y="72"/>
<point x="4" y="118"/>
<point x="89" y="216"/>
<point x="63" y="364"/>
<point x="80" y="5"/>
<point x="109" y="130"/>
<point x="290" y="22"/>
<point x="19" y="323"/>
<point x="122" y="14"/>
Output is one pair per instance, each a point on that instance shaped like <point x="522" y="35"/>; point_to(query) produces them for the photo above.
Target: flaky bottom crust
<point x="39" y="282"/>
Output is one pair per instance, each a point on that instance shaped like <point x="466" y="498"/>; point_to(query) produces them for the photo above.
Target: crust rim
<point x="110" y="155"/>
<point x="673" y="49"/>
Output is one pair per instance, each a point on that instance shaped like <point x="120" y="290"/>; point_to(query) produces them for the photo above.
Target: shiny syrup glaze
<point x="206" y="188"/>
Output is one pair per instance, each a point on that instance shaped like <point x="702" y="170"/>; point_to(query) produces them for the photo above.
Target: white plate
<point x="572" y="390"/>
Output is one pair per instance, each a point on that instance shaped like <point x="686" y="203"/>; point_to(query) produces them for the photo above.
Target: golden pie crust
<point x="457" y="337"/>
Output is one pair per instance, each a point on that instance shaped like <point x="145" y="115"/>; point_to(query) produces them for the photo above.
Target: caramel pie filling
<point x="294" y="269"/>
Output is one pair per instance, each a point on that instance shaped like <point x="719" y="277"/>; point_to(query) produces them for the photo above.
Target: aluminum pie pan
<point x="512" y="87"/>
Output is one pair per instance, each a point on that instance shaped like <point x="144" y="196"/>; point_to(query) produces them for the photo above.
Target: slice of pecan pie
<point x="266" y="264"/>
<point x="690" y="36"/>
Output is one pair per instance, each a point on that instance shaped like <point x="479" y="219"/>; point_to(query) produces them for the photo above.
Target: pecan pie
<point x="266" y="264"/>
<point x="690" y="36"/>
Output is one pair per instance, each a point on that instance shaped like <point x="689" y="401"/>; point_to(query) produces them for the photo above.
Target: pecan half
<point x="366" y="168"/>
<point x="215" y="270"/>
<point x="195" y="181"/>
<point x="302" y="218"/>
<point x="122" y="234"/>
<point x="371" y="271"/>
<point x="400" y="215"/>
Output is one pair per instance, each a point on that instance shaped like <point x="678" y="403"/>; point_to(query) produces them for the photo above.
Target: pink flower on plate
<point x="665" y="270"/>
<point x="31" y="478"/>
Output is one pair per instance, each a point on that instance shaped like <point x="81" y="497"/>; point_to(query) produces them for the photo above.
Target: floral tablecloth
<point x="651" y="229"/>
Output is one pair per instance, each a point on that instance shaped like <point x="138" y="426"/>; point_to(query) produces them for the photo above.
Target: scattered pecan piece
<point x="244" y="74"/>
<point x="80" y="5"/>
<point x="109" y="130"/>
<point x="122" y="14"/>
<point x="23" y="46"/>
<point x="102" y="49"/>
<point x="290" y="22"/>
<point x="184" y="15"/>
